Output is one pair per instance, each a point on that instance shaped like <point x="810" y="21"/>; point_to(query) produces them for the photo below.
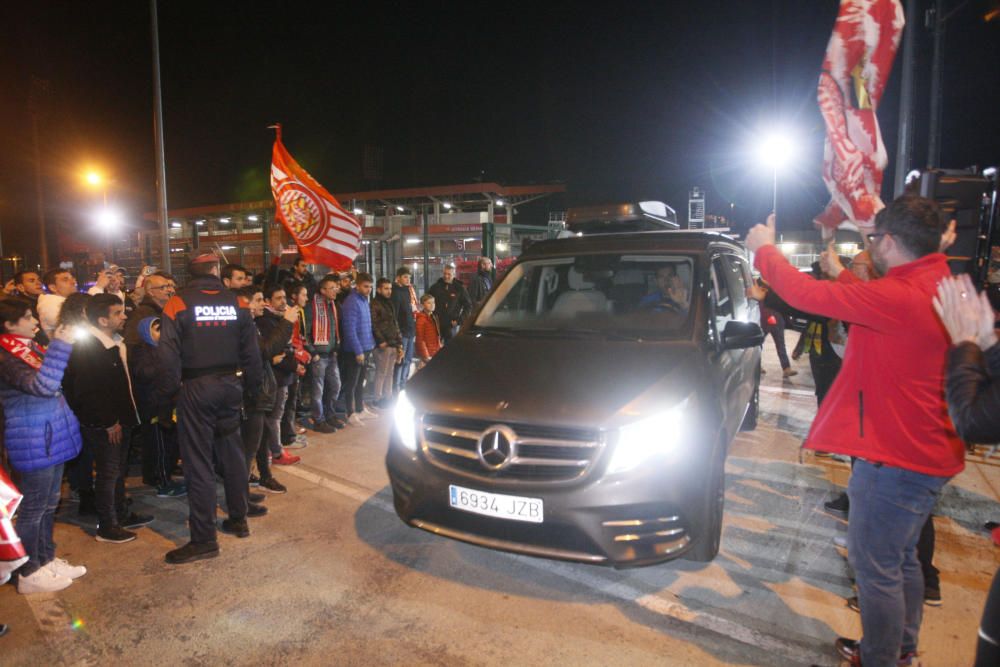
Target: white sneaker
<point x="62" y="568"/>
<point x="42" y="580"/>
<point x="840" y="541"/>
<point x="355" y="420"/>
<point x="368" y="414"/>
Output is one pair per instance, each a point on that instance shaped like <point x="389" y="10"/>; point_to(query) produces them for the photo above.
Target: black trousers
<point x="777" y="333"/>
<point x="208" y="422"/>
<point x="252" y="432"/>
<point x="354" y="383"/>
<point x="925" y="554"/>
<point x="824" y="372"/>
<point x="112" y="464"/>
<point x="159" y="453"/>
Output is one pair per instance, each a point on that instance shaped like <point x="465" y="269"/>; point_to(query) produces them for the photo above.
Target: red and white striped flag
<point x="12" y="555"/>
<point x="324" y="232"/>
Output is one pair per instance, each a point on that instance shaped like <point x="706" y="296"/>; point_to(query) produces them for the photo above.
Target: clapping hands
<point x="966" y="314"/>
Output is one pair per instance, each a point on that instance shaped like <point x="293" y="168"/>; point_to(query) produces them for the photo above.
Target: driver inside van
<point x="671" y="294"/>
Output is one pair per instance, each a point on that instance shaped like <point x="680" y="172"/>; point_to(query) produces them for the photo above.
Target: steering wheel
<point x="666" y="305"/>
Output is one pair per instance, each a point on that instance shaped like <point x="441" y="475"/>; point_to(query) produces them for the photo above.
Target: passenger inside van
<point x="671" y="294"/>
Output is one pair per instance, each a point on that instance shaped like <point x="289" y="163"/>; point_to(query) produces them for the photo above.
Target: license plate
<point x="499" y="505"/>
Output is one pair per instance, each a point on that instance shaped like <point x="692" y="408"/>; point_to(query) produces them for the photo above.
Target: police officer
<point x="207" y="342"/>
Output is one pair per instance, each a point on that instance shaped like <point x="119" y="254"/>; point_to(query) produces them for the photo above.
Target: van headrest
<point x="576" y="281"/>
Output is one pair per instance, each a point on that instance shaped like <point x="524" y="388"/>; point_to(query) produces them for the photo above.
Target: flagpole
<point x="161" y="166"/>
<point x="265" y="232"/>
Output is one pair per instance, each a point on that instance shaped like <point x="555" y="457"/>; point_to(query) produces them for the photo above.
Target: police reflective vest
<point x="204" y="322"/>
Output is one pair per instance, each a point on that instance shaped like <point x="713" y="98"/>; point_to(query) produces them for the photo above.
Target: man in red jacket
<point x="886" y="407"/>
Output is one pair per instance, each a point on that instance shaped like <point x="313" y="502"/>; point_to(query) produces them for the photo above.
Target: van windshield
<point x="647" y="296"/>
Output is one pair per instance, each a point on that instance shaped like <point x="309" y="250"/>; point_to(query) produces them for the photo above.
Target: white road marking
<point x="56" y="622"/>
<point x="791" y="392"/>
<point x="624" y="592"/>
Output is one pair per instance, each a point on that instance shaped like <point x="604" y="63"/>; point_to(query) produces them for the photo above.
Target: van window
<point x="645" y="295"/>
<point x="736" y="277"/>
<point x="721" y="293"/>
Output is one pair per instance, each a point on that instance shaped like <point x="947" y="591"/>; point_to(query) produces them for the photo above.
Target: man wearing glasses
<point x="159" y="288"/>
<point x="887" y="408"/>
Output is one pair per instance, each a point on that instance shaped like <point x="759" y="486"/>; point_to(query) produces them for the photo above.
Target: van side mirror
<point x="739" y="335"/>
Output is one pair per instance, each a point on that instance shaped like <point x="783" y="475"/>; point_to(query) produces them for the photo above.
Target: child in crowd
<point x="428" y="331"/>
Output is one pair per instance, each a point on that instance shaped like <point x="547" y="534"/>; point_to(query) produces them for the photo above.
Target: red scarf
<point x="24" y="349"/>
<point x="321" y="323"/>
<point x="413" y="300"/>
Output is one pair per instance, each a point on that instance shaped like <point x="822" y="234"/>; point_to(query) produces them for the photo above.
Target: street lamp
<point x="776" y="149"/>
<point x="95" y="180"/>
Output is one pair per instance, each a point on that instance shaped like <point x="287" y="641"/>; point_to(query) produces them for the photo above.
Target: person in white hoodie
<point x="60" y="283"/>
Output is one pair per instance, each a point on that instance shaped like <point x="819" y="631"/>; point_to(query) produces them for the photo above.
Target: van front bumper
<point x="624" y="520"/>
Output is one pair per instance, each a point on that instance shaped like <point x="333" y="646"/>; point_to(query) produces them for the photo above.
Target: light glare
<point x="109" y="219"/>
<point x="404" y="417"/>
<point x="656" y="436"/>
<point x="776" y="149"/>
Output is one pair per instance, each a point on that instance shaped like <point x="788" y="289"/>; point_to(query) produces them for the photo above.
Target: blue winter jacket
<point x="356" y="334"/>
<point x="41" y="431"/>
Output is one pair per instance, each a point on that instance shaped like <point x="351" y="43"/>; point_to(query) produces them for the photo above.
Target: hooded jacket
<point x="41" y="431"/>
<point x="428" y="335"/>
<point x="146" y="368"/>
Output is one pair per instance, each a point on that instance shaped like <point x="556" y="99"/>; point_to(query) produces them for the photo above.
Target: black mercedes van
<point x="585" y="411"/>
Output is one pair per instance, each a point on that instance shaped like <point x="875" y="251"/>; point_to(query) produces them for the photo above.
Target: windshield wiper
<point x="583" y="332"/>
<point x="494" y="331"/>
<point x="559" y="332"/>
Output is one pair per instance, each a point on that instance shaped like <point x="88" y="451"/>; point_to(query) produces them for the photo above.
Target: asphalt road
<point x="331" y="576"/>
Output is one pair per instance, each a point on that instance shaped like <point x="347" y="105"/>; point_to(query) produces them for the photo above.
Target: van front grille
<point x="537" y="453"/>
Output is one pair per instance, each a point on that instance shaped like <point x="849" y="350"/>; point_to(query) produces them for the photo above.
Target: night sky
<point x="617" y="100"/>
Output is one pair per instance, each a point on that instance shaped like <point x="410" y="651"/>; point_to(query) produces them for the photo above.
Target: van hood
<point x="589" y="383"/>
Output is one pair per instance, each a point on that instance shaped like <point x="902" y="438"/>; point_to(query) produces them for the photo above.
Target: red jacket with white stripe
<point x="887" y="404"/>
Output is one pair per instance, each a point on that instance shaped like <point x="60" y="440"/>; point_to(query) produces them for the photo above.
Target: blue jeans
<point x="402" y="372"/>
<point x="36" y="516"/>
<point x="888" y="509"/>
<point x="325" y="388"/>
<point x="272" y="423"/>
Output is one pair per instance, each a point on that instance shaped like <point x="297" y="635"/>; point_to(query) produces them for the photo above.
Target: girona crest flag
<point x="855" y="71"/>
<point x="12" y="554"/>
<point x="324" y="232"/>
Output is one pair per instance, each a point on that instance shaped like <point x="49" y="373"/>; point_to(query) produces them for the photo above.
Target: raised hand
<point x="829" y="261"/>
<point x="761" y="235"/>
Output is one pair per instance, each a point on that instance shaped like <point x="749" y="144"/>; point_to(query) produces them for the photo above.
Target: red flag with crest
<point x="324" y="232"/>
<point x="12" y="554"/>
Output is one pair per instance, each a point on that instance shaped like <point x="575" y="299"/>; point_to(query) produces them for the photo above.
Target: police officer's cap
<point x="202" y="264"/>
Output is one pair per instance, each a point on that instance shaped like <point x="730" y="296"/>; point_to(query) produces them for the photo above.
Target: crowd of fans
<point x="80" y="371"/>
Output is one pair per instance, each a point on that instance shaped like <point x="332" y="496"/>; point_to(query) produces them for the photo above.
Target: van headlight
<point x="405" y="418"/>
<point x="657" y="437"/>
